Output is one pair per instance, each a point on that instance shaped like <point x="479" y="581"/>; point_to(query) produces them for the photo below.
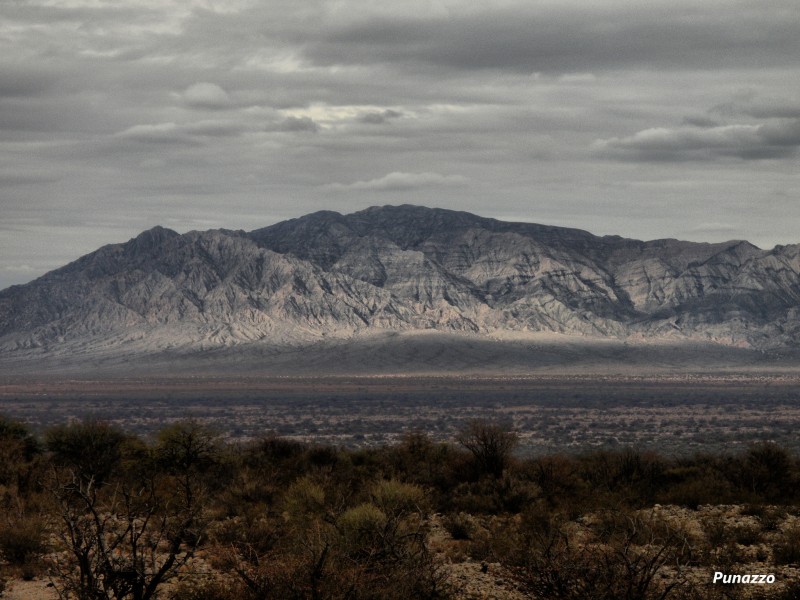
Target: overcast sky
<point x="649" y="119"/>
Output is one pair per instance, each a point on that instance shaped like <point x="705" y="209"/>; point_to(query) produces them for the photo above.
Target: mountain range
<point x="328" y="278"/>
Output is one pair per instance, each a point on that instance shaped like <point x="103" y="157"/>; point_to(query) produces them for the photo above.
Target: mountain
<point x="327" y="276"/>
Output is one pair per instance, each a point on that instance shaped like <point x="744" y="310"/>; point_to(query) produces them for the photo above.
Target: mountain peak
<point x="150" y="239"/>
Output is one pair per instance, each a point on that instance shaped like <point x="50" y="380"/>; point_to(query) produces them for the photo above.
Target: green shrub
<point x="396" y="498"/>
<point x="361" y="528"/>
<point x="304" y="499"/>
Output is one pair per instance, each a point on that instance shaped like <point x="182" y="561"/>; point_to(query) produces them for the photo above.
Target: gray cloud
<point x="296" y="124"/>
<point x="761" y="109"/>
<point x="17" y="82"/>
<point x="570" y="37"/>
<point x="130" y="114"/>
<point x="159" y="133"/>
<point x="769" y="140"/>
<point x="378" y="118"/>
<point x="16" y="178"/>
<point x="206" y="95"/>
<point x="701" y="122"/>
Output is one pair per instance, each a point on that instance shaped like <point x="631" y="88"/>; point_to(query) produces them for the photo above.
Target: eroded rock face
<point x="404" y="268"/>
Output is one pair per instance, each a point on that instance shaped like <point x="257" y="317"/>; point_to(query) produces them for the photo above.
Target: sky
<point x="647" y="119"/>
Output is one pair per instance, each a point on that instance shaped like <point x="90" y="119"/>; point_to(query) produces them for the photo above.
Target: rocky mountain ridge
<point x="402" y="268"/>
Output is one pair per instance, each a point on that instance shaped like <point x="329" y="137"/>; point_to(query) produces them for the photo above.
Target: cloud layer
<point x="616" y="116"/>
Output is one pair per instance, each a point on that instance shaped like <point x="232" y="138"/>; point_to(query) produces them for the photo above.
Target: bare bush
<point x="491" y="445"/>
<point x="556" y="559"/>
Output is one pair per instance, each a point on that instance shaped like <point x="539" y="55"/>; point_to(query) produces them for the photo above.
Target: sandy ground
<point x="38" y="589"/>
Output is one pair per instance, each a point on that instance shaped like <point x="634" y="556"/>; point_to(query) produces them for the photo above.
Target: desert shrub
<point x="361" y="528"/>
<point x="273" y="460"/>
<point x="754" y="510"/>
<point x="363" y="552"/>
<point x="767" y="472"/>
<point x="22" y="539"/>
<point x="207" y="588"/>
<point x="322" y="456"/>
<point x="505" y="494"/>
<point x="246" y="495"/>
<point x="786" y="549"/>
<point x="719" y="532"/>
<point x="396" y="498"/>
<point x="620" y="559"/>
<point x="93" y="449"/>
<point x="460" y="526"/>
<point x="791" y="591"/>
<point x="696" y="486"/>
<point x="747" y="535"/>
<point x="726" y="557"/>
<point x="253" y="534"/>
<point x="18" y="448"/>
<point x="716" y="530"/>
<point x="559" y="482"/>
<point x="304" y="499"/>
<point x="277" y="449"/>
<point x="627" y="475"/>
<point x="417" y="458"/>
<point x="772" y="517"/>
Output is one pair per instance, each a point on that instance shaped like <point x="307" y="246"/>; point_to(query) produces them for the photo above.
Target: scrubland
<point x="92" y="511"/>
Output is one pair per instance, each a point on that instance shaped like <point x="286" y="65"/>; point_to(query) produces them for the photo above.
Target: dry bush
<point x="490" y="444"/>
<point x="460" y="526"/>
<point x="207" y="588"/>
<point x="121" y="541"/>
<point x="319" y="549"/>
<point x="22" y="539"/>
<point x="786" y="549"/>
<point x="620" y="557"/>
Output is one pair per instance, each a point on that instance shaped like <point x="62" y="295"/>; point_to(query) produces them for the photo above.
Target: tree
<point x="90" y="449"/>
<point x="491" y="445"/>
<point x="133" y="529"/>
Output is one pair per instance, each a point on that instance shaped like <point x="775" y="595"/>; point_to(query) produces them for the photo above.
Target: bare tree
<point x="128" y="534"/>
<point x="491" y="445"/>
<point x="121" y="541"/>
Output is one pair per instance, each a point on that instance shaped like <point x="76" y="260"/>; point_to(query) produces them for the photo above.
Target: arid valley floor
<point x="676" y="414"/>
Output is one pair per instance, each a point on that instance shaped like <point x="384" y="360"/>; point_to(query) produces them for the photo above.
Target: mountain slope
<point x="401" y="268"/>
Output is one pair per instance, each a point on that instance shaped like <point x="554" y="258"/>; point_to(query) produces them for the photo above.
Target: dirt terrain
<point x="667" y="412"/>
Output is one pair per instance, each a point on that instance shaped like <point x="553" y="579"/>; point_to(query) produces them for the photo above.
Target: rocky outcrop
<point x="403" y="268"/>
